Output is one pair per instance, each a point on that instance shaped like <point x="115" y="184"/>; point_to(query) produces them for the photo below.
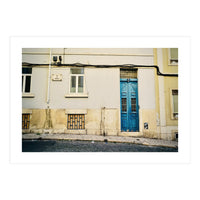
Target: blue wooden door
<point x="129" y="105"/>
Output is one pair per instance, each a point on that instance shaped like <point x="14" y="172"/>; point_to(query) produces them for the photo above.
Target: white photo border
<point x="19" y="42"/>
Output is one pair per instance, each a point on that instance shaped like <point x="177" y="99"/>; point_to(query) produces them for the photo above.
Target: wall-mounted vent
<point x="57" y="60"/>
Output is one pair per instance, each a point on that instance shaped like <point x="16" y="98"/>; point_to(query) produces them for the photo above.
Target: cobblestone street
<point x="94" y="143"/>
<point x="88" y="146"/>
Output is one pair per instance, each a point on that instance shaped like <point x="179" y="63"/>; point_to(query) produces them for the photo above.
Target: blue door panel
<point x="129" y="105"/>
<point x="124" y="115"/>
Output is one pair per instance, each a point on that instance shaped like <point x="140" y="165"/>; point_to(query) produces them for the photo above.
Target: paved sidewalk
<point x="133" y="140"/>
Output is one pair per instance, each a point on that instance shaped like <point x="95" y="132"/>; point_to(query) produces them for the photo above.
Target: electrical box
<point x="146" y="126"/>
<point x="57" y="60"/>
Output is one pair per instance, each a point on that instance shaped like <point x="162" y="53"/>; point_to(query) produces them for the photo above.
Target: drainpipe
<point x="48" y="117"/>
<point x="49" y="79"/>
<point x="102" y="123"/>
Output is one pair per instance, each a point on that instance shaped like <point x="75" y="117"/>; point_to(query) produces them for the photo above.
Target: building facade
<point x="121" y="92"/>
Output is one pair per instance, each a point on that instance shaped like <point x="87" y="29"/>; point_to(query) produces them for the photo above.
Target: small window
<point x="77" y="80"/>
<point x="76" y="121"/>
<point x="25" y="121"/>
<point x="175" y="103"/>
<point x="173" y="56"/>
<point x="26" y="80"/>
<point x="176" y="136"/>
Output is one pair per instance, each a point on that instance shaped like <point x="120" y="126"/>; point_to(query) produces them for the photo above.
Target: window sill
<point x="172" y="64"/>
<point x="26" y="111"/>
<point x="76" y="95"/>
<point x="28" y="95"/>
<point x="174" y="117"/>
<point x="76" y="111"/>
<point x="77" y="131"/>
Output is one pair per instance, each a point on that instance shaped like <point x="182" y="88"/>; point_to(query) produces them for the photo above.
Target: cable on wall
<point x="130" y="66"/>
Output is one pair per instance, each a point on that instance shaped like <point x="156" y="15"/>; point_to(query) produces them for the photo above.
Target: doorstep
<point x="131" y="134"/>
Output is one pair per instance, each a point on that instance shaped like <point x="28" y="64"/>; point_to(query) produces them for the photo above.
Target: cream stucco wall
<point x="147" y="102"/>
<point x="101" y="100"/>
<point x="95" y="56"/>
<point x="101" y="86"/>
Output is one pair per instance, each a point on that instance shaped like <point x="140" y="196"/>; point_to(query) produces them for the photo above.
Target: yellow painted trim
<point x="168" y="56"/>
<point x="171" y="103"/>
<point x="169" y="84"/>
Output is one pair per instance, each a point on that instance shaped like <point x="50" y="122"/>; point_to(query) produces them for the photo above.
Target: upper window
<point x="173" y="56"/>
<point x="77" y="80"/>
<point x="175" y="103"/>
<point x="26" y="80"/>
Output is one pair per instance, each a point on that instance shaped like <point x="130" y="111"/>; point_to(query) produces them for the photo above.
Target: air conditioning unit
<point x="57" y="60"/>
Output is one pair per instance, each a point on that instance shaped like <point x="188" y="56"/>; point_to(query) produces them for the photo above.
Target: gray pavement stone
<point x="122" y="139"/>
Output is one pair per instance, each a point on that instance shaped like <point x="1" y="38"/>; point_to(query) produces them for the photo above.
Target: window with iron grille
<point x="128" y="73"/>
<point x="26" y="79"/>
<point x="76" y="121"/>
<point x="25" y="121"/>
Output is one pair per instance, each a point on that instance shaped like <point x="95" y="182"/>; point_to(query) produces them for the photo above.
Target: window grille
<point x="25" y="121"/>
<point x="133" y="104"/>
<point x="124" y="105"/>
<point x="128" y="73"/>
<point x="76" y="121"/>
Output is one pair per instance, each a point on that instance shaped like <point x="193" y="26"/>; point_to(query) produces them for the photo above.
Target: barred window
<point x="128" y="73"/>
<point x="25" y="121"/>
<point x="76" y="121"/>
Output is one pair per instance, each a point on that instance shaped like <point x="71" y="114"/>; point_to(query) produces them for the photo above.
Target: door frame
<point x="137" y="97"/>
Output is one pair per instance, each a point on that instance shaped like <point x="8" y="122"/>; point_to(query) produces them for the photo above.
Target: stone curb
<point x="115" y="139"/>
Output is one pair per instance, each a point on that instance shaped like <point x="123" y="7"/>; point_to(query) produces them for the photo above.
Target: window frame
<point x="24" y="76"/>
<point x="172" y="105"/>
<point x="77" y="94"/>
<point x="77" y="78"/>
<point x="170" y="59"/>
